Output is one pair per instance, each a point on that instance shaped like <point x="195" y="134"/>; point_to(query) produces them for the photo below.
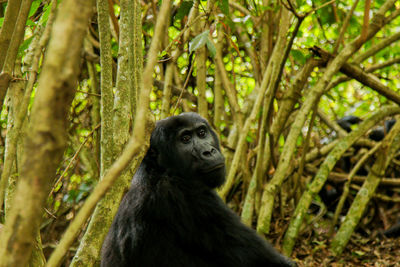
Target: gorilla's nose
<point x="208" y="153"/>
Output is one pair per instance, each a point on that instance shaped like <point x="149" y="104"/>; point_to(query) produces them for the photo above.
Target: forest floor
<point x="359" y="252"/>
<point x="367" y="247"/>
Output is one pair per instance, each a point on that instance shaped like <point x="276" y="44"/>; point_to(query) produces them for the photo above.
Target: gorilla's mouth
<point x="213" y="168"/>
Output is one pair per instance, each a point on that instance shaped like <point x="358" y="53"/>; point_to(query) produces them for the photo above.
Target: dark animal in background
<point x="379" y="133"/>
<point x="329" y="193"/>
<point x="376" y="134"/>
<point x="171" y="216"/>
<point x="346" y="122"/>
<point x="393" y="231"/>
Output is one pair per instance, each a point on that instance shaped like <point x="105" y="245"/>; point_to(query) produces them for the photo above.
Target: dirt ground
<point x="361" y="251"/>
<point x="357" y="253"/>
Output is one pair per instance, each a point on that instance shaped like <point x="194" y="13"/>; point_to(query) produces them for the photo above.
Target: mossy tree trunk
<point x="8" y="66"/>
<point x="135" y="147"/>
<point x="127" y="85"/>
<point x="12" y="45"/>
<point x="116" y="123"/>
<point x="46" y="138"/>
<point x="7" y="28"/>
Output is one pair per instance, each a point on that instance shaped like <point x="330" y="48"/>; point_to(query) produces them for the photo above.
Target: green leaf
<point x="24" y="46"/>
<point x="230" y="23"/>
<point x="224" y="6"/>
<point x="35" y="5"/>
<point x="298" y="56"/>
<point x="45" y="16"/>
<point x="184" y="9"/>
<point x="211" y="47"/>
<point x="199" y="41"/>
<point x="30" y="23"/>
<point x="358" y="253"/>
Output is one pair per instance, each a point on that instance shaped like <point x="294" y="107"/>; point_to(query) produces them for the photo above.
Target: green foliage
<point x="199" y="41"/>
<point x="250" y="138"/>
<point x="46" y="13"/>
<point x="211" y="47"/>
<point x="298" y="56"/>
<point x="78" y="190"/>
<point x="34" y="7"/>
<point x="183" y="9"/>
<point x="326" y="15"/>
<point x="224" y="7"/>
<point x="24" y="46"/>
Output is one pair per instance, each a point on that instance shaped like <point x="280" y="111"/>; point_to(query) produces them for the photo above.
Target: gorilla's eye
<point x="202" y="133"/>
<point x="185" y="138"/>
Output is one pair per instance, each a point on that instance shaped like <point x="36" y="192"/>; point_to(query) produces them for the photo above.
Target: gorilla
<point x="393" y="231"/>
<point x="172" y="216"/>
<point x="346" y="122"/>
<point x="330" y="194"/>
<point x="379" y="133"/>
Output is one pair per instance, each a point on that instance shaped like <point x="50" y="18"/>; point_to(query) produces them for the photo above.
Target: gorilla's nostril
<point x="207" y="153"/>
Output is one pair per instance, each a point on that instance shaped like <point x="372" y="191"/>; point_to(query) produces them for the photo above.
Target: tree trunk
<point x="46" y="139"/>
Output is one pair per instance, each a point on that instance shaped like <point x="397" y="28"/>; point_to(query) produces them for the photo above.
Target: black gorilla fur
<point x="171" y="216"/>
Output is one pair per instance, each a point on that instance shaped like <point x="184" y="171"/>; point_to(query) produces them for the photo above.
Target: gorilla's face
<point x="187" y="147"/>
<point x="198" y="154"/>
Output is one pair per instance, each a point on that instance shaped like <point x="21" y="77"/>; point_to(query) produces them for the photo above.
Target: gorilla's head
<point x="187" y="147"/>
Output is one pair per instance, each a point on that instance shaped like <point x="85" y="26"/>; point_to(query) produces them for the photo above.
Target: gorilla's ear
<point x="156" y="146"/>
<point x="157" y="138"/>
<point x="151" y="160"/>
